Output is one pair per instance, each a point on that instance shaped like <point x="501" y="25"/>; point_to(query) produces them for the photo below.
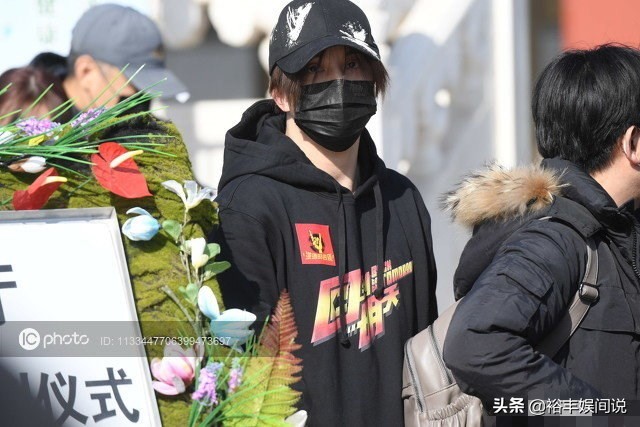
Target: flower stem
<point x="85" y="182"/>
<point x="196" y="418"/>
<point x="184" y="256"/>
<point x="175" y="299"/>
<point x="185" y="260"/>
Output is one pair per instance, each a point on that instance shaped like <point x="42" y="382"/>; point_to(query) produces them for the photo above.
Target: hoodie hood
<point x="496" y="202"/>
<point x="257" y="145"/>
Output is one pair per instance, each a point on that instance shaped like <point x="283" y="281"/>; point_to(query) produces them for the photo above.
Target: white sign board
<point x="63" y="276"/>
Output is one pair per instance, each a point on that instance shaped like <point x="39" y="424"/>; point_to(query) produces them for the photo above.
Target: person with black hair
<point x="52" y="63"/>
<point x="306" y="205"/>
<point x="519" y="273"/>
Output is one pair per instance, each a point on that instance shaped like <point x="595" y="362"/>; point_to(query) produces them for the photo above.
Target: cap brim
<point x="171" y="88"/>
<point x="296" y="60"/>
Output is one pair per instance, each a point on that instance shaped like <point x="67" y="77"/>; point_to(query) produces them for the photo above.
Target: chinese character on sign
<point x="44" y="399"/>
<point x="102" y="397"/>
<point x="67" y="404"/>
<point x="5" y="284"/>
<point x="67" y="400"/>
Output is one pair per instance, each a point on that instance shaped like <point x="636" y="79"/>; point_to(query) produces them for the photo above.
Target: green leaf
<point x="192" y="293"/>
<point x="214" y="268"/>
<point x="212" y="250"/>
<point x="173" y="229"/>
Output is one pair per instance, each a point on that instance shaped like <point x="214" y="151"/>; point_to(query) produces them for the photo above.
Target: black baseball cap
<point x="307" y="27"/>
<point x="119" y="36"/>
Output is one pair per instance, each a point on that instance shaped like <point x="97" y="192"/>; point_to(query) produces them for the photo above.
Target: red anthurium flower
<point x="37" y="194"/>
<point x="116" y="171"/>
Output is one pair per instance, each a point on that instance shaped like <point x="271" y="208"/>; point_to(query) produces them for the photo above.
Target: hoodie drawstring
<point x="379" y="292"/>
<point x="342" y="266"/>
<point x="342" y="256"/>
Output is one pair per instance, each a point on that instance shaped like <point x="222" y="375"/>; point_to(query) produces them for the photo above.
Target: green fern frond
<point x="269" y="375"/>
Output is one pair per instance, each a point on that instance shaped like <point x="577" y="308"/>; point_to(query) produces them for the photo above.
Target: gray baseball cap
<point x="119" y="35"/>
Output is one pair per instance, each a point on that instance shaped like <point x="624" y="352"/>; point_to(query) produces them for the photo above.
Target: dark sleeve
<point x="432" y="279"/>
<point x="519" y="298"/>
<point x="251" y="283"/>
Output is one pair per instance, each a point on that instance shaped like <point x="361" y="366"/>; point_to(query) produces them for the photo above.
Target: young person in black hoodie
<point x="305" y="200"/>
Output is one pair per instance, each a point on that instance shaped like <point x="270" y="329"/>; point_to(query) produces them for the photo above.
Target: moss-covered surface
<point x="151" y="264"/>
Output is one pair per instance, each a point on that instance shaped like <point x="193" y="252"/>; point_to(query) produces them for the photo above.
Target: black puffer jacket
<point x="519" y="273"/>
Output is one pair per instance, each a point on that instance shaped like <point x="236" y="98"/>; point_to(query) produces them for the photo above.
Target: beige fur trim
<point x="499" y="193"/>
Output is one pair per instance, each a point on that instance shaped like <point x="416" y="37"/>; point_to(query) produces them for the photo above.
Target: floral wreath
<point x="231" y="376"/>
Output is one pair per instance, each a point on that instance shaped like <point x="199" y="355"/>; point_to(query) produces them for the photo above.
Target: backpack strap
<point x="586" y="295"/>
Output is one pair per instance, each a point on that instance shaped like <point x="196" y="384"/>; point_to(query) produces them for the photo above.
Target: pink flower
<point x="235" y="375"/>
<point x="206" y="393"/>
<point x="175" y="371"/>
<point x="87" y="116"/>
<point x="33" y="126"/>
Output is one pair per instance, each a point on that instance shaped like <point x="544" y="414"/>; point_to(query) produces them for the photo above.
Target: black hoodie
<point x="285" y="224"/>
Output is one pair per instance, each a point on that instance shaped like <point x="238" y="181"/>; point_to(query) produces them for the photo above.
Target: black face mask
<point x="334" y="113"/>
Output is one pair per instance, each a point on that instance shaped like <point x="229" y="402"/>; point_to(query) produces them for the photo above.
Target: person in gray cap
<point x="107" y="38"/>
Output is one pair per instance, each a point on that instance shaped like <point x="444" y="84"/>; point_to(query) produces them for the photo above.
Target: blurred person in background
<point x="518" y="275"/>
<point x="105" y="39"/>
<point x="307" y="205"/>
<point x="54" y="64"/>
<point x="27" y="84"/>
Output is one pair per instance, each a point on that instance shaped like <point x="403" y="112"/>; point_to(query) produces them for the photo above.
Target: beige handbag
<point x="431" y="395"/>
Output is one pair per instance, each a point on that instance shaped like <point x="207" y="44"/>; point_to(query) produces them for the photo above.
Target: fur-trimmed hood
<point x="501" y="194"/>
<point x="497" y="201"/>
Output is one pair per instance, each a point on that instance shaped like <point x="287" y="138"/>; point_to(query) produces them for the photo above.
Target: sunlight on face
<point x="337" y="62"/>
<point x="117" y="90"/>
